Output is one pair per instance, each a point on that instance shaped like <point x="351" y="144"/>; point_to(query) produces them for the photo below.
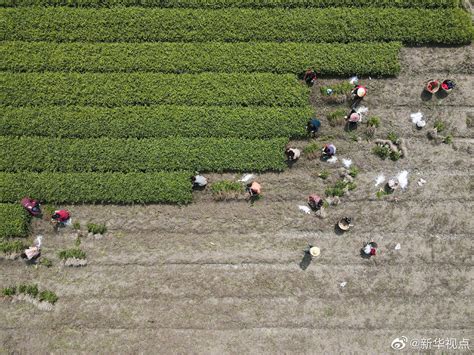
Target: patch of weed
<point x="96" y="228"/>
<point x="72" y="253"/>
<point x="373" y="121"/>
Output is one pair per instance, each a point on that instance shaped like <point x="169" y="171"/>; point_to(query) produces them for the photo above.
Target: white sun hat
<point x="315" y="251"/>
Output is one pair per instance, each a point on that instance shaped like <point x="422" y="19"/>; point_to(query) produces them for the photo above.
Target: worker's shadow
<point x="198" y="188"/>
<point x="306" y="261"/>
<point x="338" y="230"/>
<point x="350" y="126"/>
<point x="441" y="94"/>
<point x="290" y="163"/>
<point x="364" y="255"/>
<point x="426" y="95"/>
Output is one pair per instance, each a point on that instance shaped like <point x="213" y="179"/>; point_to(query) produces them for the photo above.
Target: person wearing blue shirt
<point x="313" y="126"/>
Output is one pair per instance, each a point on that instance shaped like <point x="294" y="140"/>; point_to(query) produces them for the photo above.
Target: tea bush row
<point x="411" y="26"/>
<point x="140" y="155"/>
<point x="162" y="187"/>
<point x="122" y="89"/>
<point x="155" y="121"/>
<point x="217" y="4"/>
<point x="327" y="58"/>
<point x="14" y="220"/>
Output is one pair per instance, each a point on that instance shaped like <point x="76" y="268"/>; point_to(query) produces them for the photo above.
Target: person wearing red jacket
<point x="60" y="217"/>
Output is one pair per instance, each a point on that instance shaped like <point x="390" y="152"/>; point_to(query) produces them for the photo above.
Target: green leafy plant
<point x="15" y="220"/>
<point x="9" y="291"/>
<point x="46" y="262"/>
<point x="448" y="139"/>
<point x="324" y="174"/>
<point x="335" y="59"/>
<point x="227" y="186"/>
<point x="254" y="4"/>
<point x="392" y="136"/>
<point x="49" y="209"/>
<point x="14" y="246"/>
<point x="224" y="189"/>
<point x="336" y="117"/>
<point x="353" y="137"/>
<point x="76" y="225"/>
<point x="164" y="187"/>
<point x="312" y="150"/>
<point x="334" y="24"/>
<point x="339" y="188"/>
<point x="381" y="193"/>
<point x="72" y="253"/>
<point x="382" y="151"/>
<point x="123" y="89"/>
<point x="373" y="121"/>
<point x="96" y="228"/>
<point x="395" y="155"/>
<point x="141" y="155"/>
<point x="158" y="121"/>
<point x="343" y="88"/>
<point x="31" y="290"/>
<point x="439" y="125"/>
<point x="48" y="296"/>
<point x="354" y="171"/>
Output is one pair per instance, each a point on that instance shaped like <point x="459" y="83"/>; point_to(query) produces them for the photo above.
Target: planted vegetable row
<point x="121" y="89"/>
<point x="97" y="187"/>
<point x="217" y="4"/>
<point x="327" y="59"/>
<point x="155" y="121"/>
<point x="413" y="26"/>
<point x="14" y="220"/>
<point x="140" y="155"/>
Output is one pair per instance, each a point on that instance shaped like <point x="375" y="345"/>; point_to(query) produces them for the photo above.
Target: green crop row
<point x="217" y="4"/>
<point x="327" y="59"/>
<point x="155" y="121"/>
<point x="121" y="89"/>
<point x="14" y="220"/>
<point x="162" y="187"/>
<point x="414" y="26"/>
<point x="140" y="155"/>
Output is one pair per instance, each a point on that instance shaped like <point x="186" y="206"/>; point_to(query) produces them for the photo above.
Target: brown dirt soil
<point x="224" y="277"/>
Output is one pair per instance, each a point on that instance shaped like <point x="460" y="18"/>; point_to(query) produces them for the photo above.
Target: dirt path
<point x="224" y="277"/>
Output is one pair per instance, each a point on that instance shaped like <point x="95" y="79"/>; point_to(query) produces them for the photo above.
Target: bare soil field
<point x="224" y="277"/>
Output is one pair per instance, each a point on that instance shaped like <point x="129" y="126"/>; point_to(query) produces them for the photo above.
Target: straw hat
<point x="361" y="92"/>
<point x="314" y="251"/>
<point x="343" y="225"/>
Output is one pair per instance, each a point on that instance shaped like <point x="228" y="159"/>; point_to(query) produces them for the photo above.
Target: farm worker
<point x="315" y="202"/>
<point x="312" y="251"/>
<point x="309" y="76"/>
<point x="254" y="189"/>
<point x="345" y="223"/>
<point x="31" y="253"/>
<point x="448" y="85"/>
<point x="32" y="206"/>
<point x="358" y="93"/>
<point x="354" y="117"/>
<point x="292" y="154"/>
<point x="392" y="185"/>
<point x="199" y="181"/>
<point x="370" y="249"/>
<point x="313" y="126"/>
<point x="329" y="150"/>
<point x="60" y="217"/>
